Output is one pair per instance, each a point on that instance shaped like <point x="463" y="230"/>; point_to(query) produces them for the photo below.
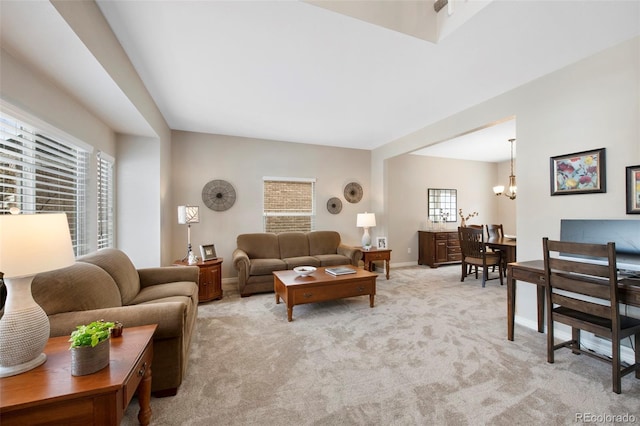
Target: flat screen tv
<point x="625" y="233"/>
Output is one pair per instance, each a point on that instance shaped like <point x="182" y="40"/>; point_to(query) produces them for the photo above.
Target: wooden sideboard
<point x="437" y="248"/>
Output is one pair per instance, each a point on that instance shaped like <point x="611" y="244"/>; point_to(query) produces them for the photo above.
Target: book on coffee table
<point x="340" y="270"/>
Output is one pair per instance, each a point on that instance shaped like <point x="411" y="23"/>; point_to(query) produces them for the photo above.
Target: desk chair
<point x="577" y="279"/>
<point x="474" y="253"/>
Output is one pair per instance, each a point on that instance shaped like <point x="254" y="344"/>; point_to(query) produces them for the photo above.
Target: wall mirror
<point x="443" y="205"/>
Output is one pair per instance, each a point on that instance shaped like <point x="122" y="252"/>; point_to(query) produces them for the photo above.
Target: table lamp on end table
<point x="366" y="220"/>
<point x="29" y="244"/>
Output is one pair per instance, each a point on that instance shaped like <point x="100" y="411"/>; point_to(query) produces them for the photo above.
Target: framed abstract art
<point x="633" y="189"/>
<point x="578" y="173"/>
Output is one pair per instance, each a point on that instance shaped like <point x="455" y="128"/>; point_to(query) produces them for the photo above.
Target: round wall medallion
<point x="218" y="195"/>
<point x="353" y="192"/>
<point x="334" y="205"/>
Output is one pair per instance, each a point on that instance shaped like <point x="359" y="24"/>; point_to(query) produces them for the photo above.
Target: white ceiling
<point x="292" y="71"/>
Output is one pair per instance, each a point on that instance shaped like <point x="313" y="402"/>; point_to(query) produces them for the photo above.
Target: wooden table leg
<point x="371" y="297"/>
<point x="541" y="296"/>
<point x="289" y="313"/>
<point x="511" y="303"/>
<point x="387" y="267"/>
<point x="144" y="398"/>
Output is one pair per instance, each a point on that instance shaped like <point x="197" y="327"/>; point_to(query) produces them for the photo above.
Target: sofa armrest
<point x="353" y="253"/>
<point x="241" y="263"/>
<point x="167" y="274"/>
<point x="170" y="317"/>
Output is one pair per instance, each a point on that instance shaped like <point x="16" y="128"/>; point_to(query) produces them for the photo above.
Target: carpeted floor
<point x="433" y="350"/>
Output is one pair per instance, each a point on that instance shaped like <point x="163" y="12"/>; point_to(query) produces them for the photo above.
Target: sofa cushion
<point x="323" y="242"/>
<point x="121" y="269"/>
<point x="293" y="244"/>
<point x="160" y="291"/>
<point x="79" y="287"/>
<point x="333" y="259"/>
<point x="293" y="262"/>
<point x="260" y="245"/>
<point x="266" y="266"/>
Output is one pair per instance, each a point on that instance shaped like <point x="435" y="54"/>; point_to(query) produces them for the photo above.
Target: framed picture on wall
<point x="578" y="173"/>
<point x="633" y="189"/>
<point x="381" y="242"/>
<point x="208" y="252"/>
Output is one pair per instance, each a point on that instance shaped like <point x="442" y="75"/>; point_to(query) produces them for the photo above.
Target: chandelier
<point x="499" y="190"/>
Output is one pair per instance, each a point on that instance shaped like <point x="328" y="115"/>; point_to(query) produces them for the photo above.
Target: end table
<point x="373" y="254"/>
<point x="209" y="279"/>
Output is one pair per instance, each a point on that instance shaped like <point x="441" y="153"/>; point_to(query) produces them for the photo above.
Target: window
<point x="106" y="226"/>
<point x="289" y="204"/>
<point x="40" y="172"/>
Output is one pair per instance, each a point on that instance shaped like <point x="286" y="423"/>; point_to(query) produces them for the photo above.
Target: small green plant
<point x="90" y="334"/>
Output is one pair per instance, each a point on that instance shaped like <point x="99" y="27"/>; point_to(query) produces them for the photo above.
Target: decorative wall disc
<point x="219" y="195"/>
<point x="353" y="192"/>
<point x="334" y="205"/>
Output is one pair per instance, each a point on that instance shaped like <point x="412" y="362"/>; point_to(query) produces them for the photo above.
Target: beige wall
<point x="199" y="158"/>
<point x="592" y="104"/>
<point x="409" y="177"/>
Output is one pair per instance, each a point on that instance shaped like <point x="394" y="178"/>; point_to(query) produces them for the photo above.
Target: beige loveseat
<point x="258" y="255"/>
<point x="106" y="285"/>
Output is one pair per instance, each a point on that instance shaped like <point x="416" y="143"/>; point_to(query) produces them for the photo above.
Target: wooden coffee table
<point x="321" y="286"/>
<point x="50" y="394"/>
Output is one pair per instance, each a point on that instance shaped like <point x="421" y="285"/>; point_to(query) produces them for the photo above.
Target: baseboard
<point x="587" y="340"/>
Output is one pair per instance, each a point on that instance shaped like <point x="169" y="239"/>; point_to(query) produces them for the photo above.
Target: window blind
<point x="41" y="174"/>
<point x="106" y="226"/>
<point x="289" y="204"/>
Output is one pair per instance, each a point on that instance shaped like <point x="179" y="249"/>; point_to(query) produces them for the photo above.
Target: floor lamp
<point x="29" y="244"/>
<point x="186" y="216"/>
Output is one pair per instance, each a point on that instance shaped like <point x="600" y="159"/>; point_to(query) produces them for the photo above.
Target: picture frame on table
<point x="208" y="252"/>
<point x="381" y="243"/>
<point x="633" y="189"/>
<point x="578" y="173"/>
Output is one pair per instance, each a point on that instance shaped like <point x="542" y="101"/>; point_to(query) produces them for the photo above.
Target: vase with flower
<point x="464" y="219"/>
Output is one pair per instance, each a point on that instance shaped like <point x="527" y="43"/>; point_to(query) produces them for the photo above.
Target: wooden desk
<point x="533" y="272"/>
<point x="49" y="394"/>
<point x="373" y="254"/>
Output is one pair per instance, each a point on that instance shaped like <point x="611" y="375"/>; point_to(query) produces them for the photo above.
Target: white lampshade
<point x="188" y="214"/>
<point x="29" y="244"/>
<point x="34" y="243"/>
<point x="366" y="220"/>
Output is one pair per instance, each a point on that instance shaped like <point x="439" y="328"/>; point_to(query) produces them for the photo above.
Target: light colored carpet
<point x="433" y="350"/>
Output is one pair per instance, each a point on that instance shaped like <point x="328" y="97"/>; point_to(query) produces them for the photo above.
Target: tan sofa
<point x="106" y="285"/>
<point x="258" y="255"/>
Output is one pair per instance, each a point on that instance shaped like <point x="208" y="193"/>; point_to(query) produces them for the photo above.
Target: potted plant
<point x="90" y="347"/>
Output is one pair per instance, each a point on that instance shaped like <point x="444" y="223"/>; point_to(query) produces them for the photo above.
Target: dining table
<point x="505" y="244"/>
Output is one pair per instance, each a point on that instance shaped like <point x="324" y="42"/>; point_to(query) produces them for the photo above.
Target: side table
<point x="373" y="254"/>
<point x="50" y="394"/>
<point x="209" y="279"/>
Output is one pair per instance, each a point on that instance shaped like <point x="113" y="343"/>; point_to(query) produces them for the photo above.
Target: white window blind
<point x="39" y="173"/>
<point x="106" y="226"/>
<point x="289" y="204"/>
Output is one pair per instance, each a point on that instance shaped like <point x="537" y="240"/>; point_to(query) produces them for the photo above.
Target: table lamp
<point x="29" y="244"/>
<point x="186" y="216"/>
<point x="366" y="220"/>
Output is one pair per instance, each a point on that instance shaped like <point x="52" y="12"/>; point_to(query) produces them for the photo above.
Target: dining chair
<point x="496" y="231"/>
<point x="598" y="313"/>
<point x="475" y="253"/>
